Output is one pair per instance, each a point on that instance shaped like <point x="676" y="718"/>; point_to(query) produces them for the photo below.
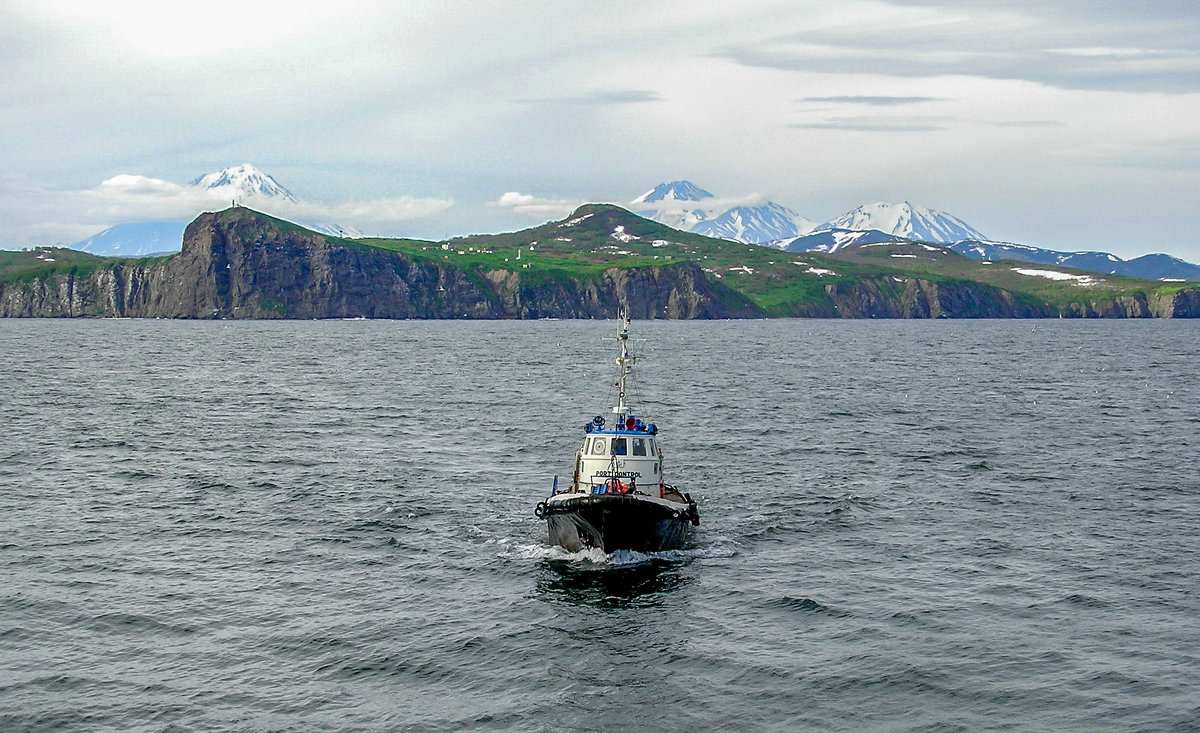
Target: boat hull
<point x="614" y="522"/>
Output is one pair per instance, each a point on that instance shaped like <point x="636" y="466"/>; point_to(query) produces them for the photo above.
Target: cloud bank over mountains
<point x="136" y="198"/>
<point x="536" y="206"/>
<point x="1052" y="121"/>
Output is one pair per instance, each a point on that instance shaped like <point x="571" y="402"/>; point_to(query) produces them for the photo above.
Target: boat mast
<point x="625" y="361"/>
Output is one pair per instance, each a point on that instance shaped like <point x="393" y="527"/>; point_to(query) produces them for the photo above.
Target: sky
<point x="1055" y="123"/>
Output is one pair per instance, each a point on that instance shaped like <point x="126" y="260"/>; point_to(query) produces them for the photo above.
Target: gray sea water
<point x="327" y="526"/>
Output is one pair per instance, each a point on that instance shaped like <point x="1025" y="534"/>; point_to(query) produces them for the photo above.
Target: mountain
<point x="242" y="181"/>
<point x="1149" y="267"/>
<point x="676" y="204"/>
<point x="674" y="191"/>
<point x="767" y="222"/>
<point x="685" y="206"/>
<point x="831" y="240"/>
<point x="907" y="221"/>
<point x="1161" y="267"/>
<point x="243" y="184"/>
<point x="135" y="240"/>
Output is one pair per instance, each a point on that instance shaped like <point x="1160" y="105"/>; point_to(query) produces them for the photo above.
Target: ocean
<point x="328" y="526"/>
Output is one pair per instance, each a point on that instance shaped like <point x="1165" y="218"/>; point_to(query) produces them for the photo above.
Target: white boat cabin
<point x="621" y="459"/>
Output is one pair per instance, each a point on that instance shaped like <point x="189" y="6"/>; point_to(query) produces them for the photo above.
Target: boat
<point x="617" y="498"/>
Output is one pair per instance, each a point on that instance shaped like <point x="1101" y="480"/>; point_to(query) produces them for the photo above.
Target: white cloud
<point x="374" y="211"/>
<point x="713" y="204"/>
<point x="71" y="215"/>
<point x="530" y="205"/>
<point x="131" y="197"/>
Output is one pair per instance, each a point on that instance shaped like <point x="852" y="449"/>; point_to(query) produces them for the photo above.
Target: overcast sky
<point x="1063" y="124"/>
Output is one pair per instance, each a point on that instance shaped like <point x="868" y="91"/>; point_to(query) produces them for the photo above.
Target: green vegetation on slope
<point x="47" y="262"/>
<point x="1058" y="286"/>
<point x="599" y="237"/>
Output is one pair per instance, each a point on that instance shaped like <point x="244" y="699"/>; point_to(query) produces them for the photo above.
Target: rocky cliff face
<point x="1185" y="304"/>
<point x="902" y="297"/>
<point x="239" y="264"/>
<point x="676" y="292"/>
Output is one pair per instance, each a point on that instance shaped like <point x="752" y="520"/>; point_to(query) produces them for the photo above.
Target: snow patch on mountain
<point x="1056" y="275"/>
<point x="619" y="233"/>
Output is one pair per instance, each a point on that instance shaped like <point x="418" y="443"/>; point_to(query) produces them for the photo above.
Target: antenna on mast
<point x="625" y="361"/>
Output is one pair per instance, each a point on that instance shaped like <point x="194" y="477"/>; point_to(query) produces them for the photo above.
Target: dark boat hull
<point x="614" y="522"/>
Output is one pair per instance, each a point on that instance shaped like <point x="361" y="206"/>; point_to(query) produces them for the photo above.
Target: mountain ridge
<point x="239" y="263"/>
<point x="880" y="222"/>
<point x="905" y="220"/>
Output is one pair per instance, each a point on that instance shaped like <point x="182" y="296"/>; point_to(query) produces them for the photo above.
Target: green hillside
<point x="43" y="260"/>
<point x="897" y="279"/>
<point x="597" y="237"/>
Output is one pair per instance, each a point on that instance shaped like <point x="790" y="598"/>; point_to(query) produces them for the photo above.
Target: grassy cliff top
<point x="597" y="237"/>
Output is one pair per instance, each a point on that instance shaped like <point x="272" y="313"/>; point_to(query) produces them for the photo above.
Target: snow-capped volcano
<point x="685" y="206"/>
<point x="906" y="220"/>
<point x="768" y="222"/>
<point x="242" y="181"/>
<point x="243" y="184"/>
<point x="674" y="191"/>
<point x="135" y="240"/>
<point x="674" y="204"/>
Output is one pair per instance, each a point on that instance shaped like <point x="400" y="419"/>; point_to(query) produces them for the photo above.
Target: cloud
<point x="530" y="205"/>
<point x="373" y="211"/>
<point x="1049" y="43"/>
<point x="712" y="204"/>
<point x="602" y="98"/>
<point x="876" y="124"/>
<point x="70" y="215"/>
<point x="874" y="101"/>
<point x="132" y="197"/>
<point x="1181" y="155"/>
<point x="1027" y="124"/>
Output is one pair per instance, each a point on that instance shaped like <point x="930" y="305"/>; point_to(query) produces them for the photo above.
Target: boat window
<point x="639" y="446"/>
<point x="618" y="446"/>
<point x="597" y="446"/>
<point x="653" y="447"/>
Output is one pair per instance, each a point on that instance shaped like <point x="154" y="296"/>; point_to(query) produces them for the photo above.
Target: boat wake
<point x="620" y="558"/>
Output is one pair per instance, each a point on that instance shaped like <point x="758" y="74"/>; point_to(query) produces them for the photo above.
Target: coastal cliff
<point x="241" y="264"/>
